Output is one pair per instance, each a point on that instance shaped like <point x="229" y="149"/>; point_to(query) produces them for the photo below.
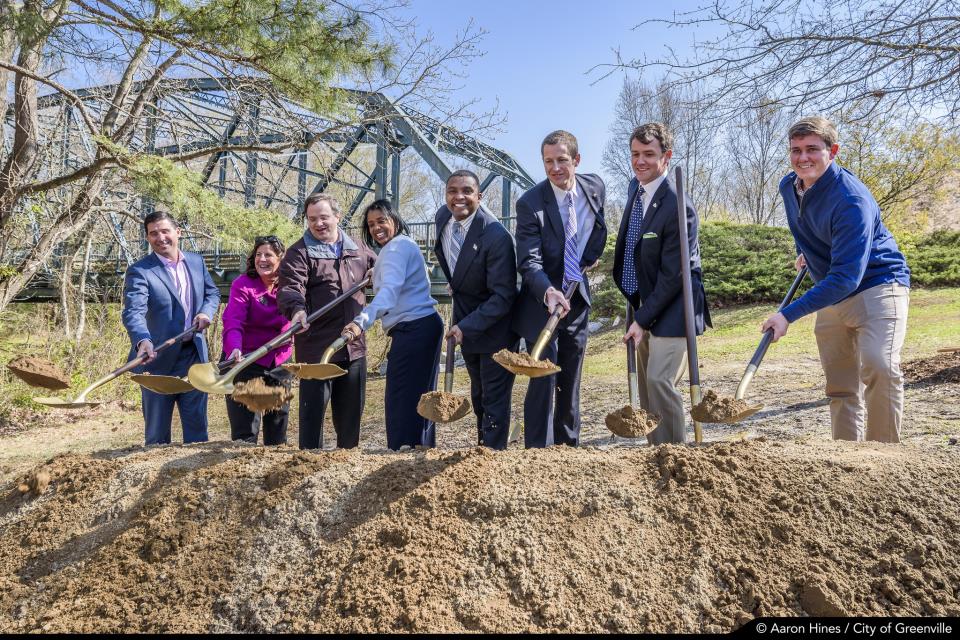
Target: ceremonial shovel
<point x="537" y="368"/>
<point x="81" y="400"/>
<point x="207" y="377"/>
<point x="432" y="405"/>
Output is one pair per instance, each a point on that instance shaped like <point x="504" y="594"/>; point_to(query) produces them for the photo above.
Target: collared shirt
<point x="649" y="190"/>
<point x="446" y="240"/>
<point x="585" y="215"/>
<point x="798" y="187"/>
<point x="181" y="282"/>
<point x="320" y="249"/>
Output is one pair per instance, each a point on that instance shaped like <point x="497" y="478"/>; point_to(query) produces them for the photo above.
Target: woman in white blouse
<point x="403" y="304"/>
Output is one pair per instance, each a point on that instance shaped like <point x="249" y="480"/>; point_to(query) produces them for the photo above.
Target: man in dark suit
<point x="163" y="295"/>
<point x="560" y="232"/>
<point x="477" y="256"/>
<point x="646" y="268"/>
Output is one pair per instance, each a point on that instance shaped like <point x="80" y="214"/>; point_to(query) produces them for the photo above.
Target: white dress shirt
<point x="446" y="238"/>
<point x="585" y="215"/>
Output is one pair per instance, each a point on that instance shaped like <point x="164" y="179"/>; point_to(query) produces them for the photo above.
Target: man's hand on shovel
<point x="456" y="334"/>
<point x="552" y="298"/>
<point x="301" y="317"/>
<point x="778" y="324"/>
<point x="634" y="332"/>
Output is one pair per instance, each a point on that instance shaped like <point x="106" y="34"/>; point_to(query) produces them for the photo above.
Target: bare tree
<point x="891" y="54"/>
<point x="756" y="160"/>
<point x="292" y="54"/>
<point x="686" y="112"/>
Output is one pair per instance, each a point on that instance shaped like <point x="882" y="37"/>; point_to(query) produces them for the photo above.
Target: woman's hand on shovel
<point x="351" y="332"/>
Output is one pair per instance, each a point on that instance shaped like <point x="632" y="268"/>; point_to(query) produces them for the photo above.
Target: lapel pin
<point x="655" y="204"/>
<point x="474" y="247"/>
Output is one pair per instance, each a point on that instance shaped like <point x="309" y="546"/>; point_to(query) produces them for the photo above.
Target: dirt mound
<point x="522" y="360"/>
<point x="939" y="369"/>
<point x="230" y="537"/>
<point x="38" y="372"/>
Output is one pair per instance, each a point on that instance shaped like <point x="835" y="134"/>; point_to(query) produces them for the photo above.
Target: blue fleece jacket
<point x="837" y="228"/>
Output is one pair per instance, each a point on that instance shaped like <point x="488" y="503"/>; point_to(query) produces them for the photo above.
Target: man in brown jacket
<point x="320" y="266"/>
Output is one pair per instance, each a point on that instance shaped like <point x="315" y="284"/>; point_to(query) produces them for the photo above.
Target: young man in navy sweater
<point x="862" y="285"/>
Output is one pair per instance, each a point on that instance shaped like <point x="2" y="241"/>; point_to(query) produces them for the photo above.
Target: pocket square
<point x="649" y="234"/>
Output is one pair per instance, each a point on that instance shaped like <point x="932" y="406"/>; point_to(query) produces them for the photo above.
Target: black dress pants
<point x="412" y="366"/>
<point x="551" y="410"/>
<point x="491" y="388"/>
<point x="346" y="394"/>
<point x="245" y="424"/>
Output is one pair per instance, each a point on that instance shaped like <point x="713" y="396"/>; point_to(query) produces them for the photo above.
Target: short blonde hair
<point x="817" y="126"/>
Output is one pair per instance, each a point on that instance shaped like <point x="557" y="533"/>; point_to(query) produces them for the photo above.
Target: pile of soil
<point x="258" y="396"/>
<point x="522" y="359"/>
<point x="939" y="369"/>
<point x="38" y="372"/>
<point x="631" y="423"/>
<point x="441" y="406"/>
<point x="713" y="408"/>
<point x="224" y="537"/>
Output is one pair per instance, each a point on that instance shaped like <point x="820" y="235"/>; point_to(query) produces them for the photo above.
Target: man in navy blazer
<point x="646" y="268"/>
<point x="561" y="232"/>
<point x="478" y="258"/>
<point x="164" y="294"/>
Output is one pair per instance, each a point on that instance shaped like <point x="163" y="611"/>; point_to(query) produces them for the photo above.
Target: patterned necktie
<point x="456" y="244"/>
<point x="633" y="236"/>
<point x="571" y="261"/>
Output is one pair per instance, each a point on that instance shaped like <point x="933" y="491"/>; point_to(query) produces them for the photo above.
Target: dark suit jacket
<point x="540" y="241"/>
<point x="484" y="283"/>
<point x="657" y="261"/>
<point x="152" y="310"/>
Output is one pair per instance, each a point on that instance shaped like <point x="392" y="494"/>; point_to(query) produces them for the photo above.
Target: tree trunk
<point x="82" y="294"/>
<point x="69" y="222"/>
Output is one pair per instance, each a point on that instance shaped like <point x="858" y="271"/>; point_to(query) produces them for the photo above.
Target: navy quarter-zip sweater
<point x="837" y="228"/>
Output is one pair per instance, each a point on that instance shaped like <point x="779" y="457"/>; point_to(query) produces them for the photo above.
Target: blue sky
<point x="538" y="55"/>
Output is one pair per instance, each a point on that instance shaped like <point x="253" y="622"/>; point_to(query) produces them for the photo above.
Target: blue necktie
<point x="633" y="236"/>
<point x="571" y="261"/>
<point x="455" y="245"/>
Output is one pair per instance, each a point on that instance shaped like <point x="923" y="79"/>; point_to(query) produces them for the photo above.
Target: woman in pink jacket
<point x="250" y="320"/>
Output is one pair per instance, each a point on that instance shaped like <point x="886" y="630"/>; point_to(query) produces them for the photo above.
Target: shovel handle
<point x="166" y="344"/>
<point x="552" y="323"/>
<point x="767" y="338"/>
<point x="632" y="381"/>
<point x="297" y="326"/>
<point x="448" y="365"/>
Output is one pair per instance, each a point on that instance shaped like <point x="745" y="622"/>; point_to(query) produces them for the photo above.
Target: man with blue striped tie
<point x="561" y="232"/>
<point x="646" y="268"/>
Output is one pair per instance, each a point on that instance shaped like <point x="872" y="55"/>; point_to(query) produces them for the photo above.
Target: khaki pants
<point x="660" y="363"/>
<point x="860" y="341"/>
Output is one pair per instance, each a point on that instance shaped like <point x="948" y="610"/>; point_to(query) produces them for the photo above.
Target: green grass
<point x="934" y="322"/>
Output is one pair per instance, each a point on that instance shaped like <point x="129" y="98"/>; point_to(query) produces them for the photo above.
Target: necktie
<point x="633" y="236"/>
<point x="571" y="261"/>
<point x="456" y="244"/>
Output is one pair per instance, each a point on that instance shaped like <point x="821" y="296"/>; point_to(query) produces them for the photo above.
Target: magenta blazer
<point x="253" y="319"/>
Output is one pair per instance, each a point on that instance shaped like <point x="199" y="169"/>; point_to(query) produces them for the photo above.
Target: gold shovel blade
<point x="205" y="377"/>
<point x="319" y="371"/>
<point x="543" y="368"/>
<point x="743" y="415"/>
<point x="162" y="384"/>
<point x="60" y="403"/>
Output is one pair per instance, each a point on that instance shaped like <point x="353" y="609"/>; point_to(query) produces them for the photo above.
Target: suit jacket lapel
<point x="470" y="248"/>
<point x="196" y="284"/>
<point x="551" y="210"/>
<point x="592" y="198"/>
<point x="443" y="220"/>
<point x="655" y="206"/>
<point x="165" y="278"/>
